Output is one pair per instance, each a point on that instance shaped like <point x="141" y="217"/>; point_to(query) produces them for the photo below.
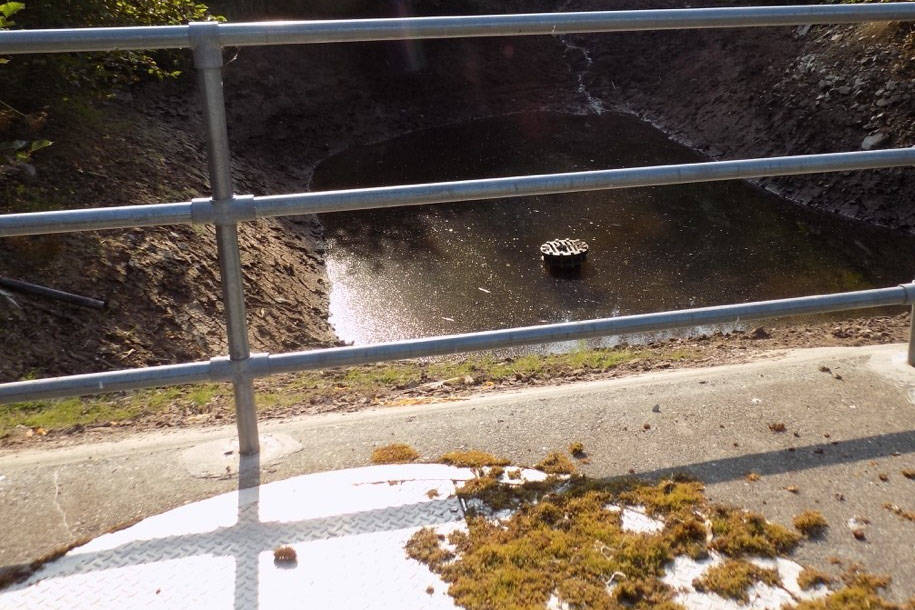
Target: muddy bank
<point x="729" y="93"/>
<point x="741" y="93"/>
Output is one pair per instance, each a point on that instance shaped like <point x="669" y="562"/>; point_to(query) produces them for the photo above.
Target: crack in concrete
<point x="57" y="505"/>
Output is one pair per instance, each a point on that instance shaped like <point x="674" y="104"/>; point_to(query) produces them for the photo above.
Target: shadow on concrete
<point x="793" y="459"/>
<point x="245" y="540"/>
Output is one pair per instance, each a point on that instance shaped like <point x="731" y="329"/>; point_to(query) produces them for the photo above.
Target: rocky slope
<point x="743" y="93"/>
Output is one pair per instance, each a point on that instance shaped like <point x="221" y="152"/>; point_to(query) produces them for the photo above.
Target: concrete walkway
<point x="847" y="428"/>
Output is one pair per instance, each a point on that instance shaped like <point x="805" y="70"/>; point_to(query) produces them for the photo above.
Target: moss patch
<point x="732" y="578"/>
<point x="398" y="453"/>
<point x="472" y="459"/>
<point x="737" y="533"/>
<point x="811" y="523"/>
<point x="556" y="463"/>
<point x="810" y="578"/>
<point x="565" y="540"/>
<point x="425" y="546"/>
<point x="860" y="592"/>
<point x="666" y="497"/>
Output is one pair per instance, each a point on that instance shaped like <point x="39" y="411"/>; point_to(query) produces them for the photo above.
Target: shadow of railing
<point x="245" y="540"/>
<point x="792" y="459"/>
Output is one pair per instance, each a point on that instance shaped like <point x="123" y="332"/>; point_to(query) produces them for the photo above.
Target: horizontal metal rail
<point x="262" y="365"/>
<point x="364" y="30"/>
<point x="242" y="208"/>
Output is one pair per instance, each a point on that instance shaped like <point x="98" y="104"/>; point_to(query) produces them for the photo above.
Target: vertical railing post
<point x="209" y="64"/>
<point x="910" y="293"/>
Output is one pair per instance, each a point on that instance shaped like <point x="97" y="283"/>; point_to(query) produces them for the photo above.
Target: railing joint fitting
<point x="204" y="37"/>
<point x="259" y="364"/>
<point x="909" y="290"/>
<point x="239" y="208"/>
<point x="221" y="368"/>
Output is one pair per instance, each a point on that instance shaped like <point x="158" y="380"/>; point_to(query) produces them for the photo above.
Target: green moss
<point x="561" y="540"/>
<point x="732" y="578"/>
<point x="556" y="463"/>
<point x="860" y="592"/>
<point x="498" y="496"/>
<point x="397" y="453"/>
<point x="810" y="523"/>
<point x="565" y="539"/>
<point x="425" y="546"/>
<point x="667" y="496"/>
<point x="736" y="532"/>
<point x="374" y="382"/>
<point x="810" y="578"/>
<point x="472" y="459"/>
<point x="50" y="415"/>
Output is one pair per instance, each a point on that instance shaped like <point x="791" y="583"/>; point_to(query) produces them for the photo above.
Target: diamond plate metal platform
<point x="348" y="529"/>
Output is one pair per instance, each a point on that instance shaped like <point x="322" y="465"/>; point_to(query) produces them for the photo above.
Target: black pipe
<point x="51" y="293"/>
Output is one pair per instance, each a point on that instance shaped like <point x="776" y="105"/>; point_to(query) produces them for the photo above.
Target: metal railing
<point x="225" y="209"/>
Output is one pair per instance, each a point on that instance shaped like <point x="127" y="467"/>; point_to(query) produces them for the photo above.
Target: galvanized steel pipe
<point x="363" y="30"/>
<point x="624" y="325"/>
<point x="209" y="63"/>
<point x="116" y="381"/>
<point x="92" y="219"/>
<point x="241" y="208"/>
<point x="261" y="365"/>
<point x="547" y="184"/>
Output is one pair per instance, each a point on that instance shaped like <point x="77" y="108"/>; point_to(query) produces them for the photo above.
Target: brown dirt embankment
<point x="730" y="93"/>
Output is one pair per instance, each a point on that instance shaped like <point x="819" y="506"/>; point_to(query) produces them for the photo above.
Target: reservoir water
<point x="418" y="271"/>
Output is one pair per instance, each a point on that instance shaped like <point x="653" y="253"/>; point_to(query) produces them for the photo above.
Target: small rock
<point x="760" y="333"/>
<point x="873" y="140"/>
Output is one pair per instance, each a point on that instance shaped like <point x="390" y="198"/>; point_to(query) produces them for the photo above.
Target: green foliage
<point x="16" y="153"/>
<point x="35" y="86"/>
<point x="101" y="71"/>
<point x="7" y="10"/>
